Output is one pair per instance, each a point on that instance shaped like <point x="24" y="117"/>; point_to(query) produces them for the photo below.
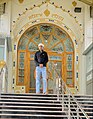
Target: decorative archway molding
<point x="50" y="11"/>
<point x="49" y="21"/>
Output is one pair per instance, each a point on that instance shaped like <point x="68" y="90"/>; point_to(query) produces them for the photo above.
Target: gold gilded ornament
<point x="47" y="12"/>
<point x="2" y="63"/>
<point x="74" y="3"/>
<point x="21" y="1"/>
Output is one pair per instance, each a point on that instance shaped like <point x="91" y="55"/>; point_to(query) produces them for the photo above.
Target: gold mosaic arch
<point x="60" y="49"/>
<point x="49" y="21"/>
<point x="51" y="24"/>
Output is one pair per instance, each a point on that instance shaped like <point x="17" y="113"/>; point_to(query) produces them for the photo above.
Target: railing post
<point x="62" y="96"/>
<point x="1" y="79"/>
<point x="2" y="75"/>
<point x="58" y="88"/>
<point x="69" y="106"/>
<point x="77" y="112"/>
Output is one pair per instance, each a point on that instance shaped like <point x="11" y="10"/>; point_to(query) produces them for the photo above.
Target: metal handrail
<point x="76" y="101"/>
<point x="3" y="79"/>
<point x="70" y="94"/>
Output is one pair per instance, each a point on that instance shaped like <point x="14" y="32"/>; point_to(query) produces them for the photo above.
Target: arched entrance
<point x="60" y="49"/>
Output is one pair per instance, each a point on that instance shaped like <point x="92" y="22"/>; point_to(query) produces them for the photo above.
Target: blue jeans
<point x="41" y="72"/>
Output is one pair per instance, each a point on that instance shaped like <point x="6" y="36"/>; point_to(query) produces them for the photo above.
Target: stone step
<point x="40" y="97"/>
<point x="84" y="96"/>
<point x="32" y="115"/>
<point x="28" y="97"/>
<point x="29" y="100"/>
<point x="29" y="107"/>
<point x="43" y="104"/>
<point x="86" y="109"/>
<point x="80" y="99"/>
<point x="38" y="110"/>
<point x="48" y="95"/>
<point x="44" y="100"/>
<point x="32" y="111"/>
<point x="28" y="103"/>
<point x="30" y="94"/>
<point x="39" y="115"/>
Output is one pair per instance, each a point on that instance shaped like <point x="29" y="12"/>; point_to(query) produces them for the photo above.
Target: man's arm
<point x="46" y="59"/>
<point x="36" y="60"/>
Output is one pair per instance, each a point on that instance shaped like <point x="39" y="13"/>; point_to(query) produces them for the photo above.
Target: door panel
<point x="32" y="77"/>
<point x="54" y="63"/>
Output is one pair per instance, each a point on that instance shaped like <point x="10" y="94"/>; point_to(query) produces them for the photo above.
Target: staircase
<point x="40" y="106"/>
<point x="30" y="106"/>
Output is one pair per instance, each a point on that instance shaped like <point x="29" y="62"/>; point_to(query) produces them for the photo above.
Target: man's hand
<point x="41" y="65"/>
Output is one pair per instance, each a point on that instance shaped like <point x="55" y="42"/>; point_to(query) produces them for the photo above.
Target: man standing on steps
<point x="41" y="59"/>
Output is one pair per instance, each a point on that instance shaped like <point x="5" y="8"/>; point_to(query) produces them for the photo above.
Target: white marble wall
<point x="5" y="20"/>
<point x="87" y="51"/>
<point x="89" y="72"/>
<point x="88" y="27"/>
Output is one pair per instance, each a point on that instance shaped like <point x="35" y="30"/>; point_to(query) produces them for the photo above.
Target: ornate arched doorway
<point x="60" y="49"/>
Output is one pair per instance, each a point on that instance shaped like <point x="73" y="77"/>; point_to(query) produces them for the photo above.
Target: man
<point x="41" y="59"/>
